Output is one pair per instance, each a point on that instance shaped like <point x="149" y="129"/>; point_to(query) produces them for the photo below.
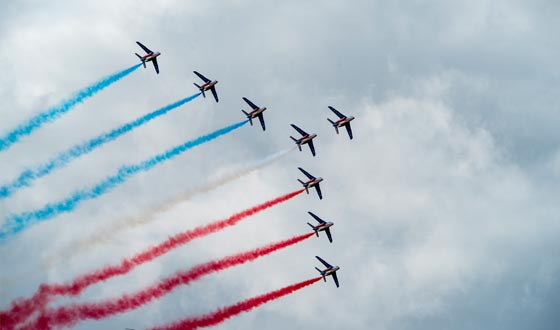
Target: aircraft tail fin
<point x="334" y="125"/>
<point x="248" y="117"/>
<point x="314" y="228"/>
<point x="200" y="89"/>
<point x="141" y="59"/>
<point x="296" y="141"/>
<point x="303" y="183"/>
<point x="322" y="273"/>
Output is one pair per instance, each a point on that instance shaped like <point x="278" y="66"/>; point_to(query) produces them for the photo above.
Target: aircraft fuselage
<point x="312" y="183"/>
<point x="256" y="112"/>
<point x="306" y="139"/>
<point x="330" y="271"/>
<point x="342" y="121"/>
<point x="150" y="57"/>
<point x="208" y="85"/>
<point x="324" y="226"/>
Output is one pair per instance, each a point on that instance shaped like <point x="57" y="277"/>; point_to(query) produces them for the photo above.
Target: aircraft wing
<point x="349" y="130"/>
<point x="335" y="278"/>
<point x="326" y="264"/>
<point x="213" y="89"/>
<point x="144" y="48"/>
<point x="318" y="188"/>
<point x="251" y="104"/>
<point x="261" y="119"/>
<point x="316" y="217"/>
<point x="312" y="147"/>
<point x="328" y="232"/>
<point x="201" y="77"/>
<point x="336" y="112"/>
<point x="309" y="176"/>
<point x="155" y="65"/>
<point x="302" y="132"/>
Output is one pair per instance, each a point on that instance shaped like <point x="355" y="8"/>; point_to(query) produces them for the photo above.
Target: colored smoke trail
<point x="16" y="223"/>
<point x="225" y="313"/>
<point x="105" y="234"/>
<point x="51" y="114"/>
<point x="23" y="307"/>
<point x="65" y="157"/>
<point x="71" y="314"/>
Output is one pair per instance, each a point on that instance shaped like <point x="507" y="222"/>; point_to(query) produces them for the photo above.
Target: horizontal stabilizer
<point x="141" y="59"/>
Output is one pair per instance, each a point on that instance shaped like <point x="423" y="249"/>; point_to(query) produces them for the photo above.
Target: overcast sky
<point x="445" y="204"/>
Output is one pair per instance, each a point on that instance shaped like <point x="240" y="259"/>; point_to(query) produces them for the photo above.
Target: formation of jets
<point x="305" y="138"/>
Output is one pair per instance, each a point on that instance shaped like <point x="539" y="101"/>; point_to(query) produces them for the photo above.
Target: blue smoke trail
<point x="16" y="223"/>
<point x="65" y="157"/>
<point x="34" y="123"/>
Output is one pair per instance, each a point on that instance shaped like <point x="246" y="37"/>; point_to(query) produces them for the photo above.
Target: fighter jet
<point x="304" y="139"/>
<point x="330" y="270"/>
<point x="342" y="121"/>
<point x="257" y="112"/>
<point x="149" y="57"/>
<point x="312" y="182"/>
<point x="208" y="85"/>
<point x="323" y="226"/>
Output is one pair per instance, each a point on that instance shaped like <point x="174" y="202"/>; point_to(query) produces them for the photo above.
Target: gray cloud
<point x="444" y="203"/>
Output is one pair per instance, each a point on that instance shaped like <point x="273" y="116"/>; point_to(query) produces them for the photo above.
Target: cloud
<point x="444" y="203"/>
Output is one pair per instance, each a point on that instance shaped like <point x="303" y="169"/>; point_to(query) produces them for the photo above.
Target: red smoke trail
<point x="23" y="308"/>
<point x="224" y="313"/>
<point x="71" y="314"/>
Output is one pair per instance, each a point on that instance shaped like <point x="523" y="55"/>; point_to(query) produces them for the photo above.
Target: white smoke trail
<point x="106" y="234"/>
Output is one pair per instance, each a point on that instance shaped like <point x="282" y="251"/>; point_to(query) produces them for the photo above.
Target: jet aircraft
<point x="257" y="112"/>
<point x="149" y="57"/>
<point x="304" y="139"/>
<point x="312" y="182"/>
<point x="208" y="85"/>
<point x="343" y="121"/>
<point x="323" y="226"/>
<point x="330" y="270"/>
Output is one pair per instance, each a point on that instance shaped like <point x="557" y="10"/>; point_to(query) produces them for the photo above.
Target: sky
<point x="444" y="203"/>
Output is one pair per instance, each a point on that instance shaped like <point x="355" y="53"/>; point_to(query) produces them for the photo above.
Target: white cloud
<point x="441" y="217"/>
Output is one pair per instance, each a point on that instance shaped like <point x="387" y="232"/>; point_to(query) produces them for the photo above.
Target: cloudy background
<point x="445" y="203"/>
